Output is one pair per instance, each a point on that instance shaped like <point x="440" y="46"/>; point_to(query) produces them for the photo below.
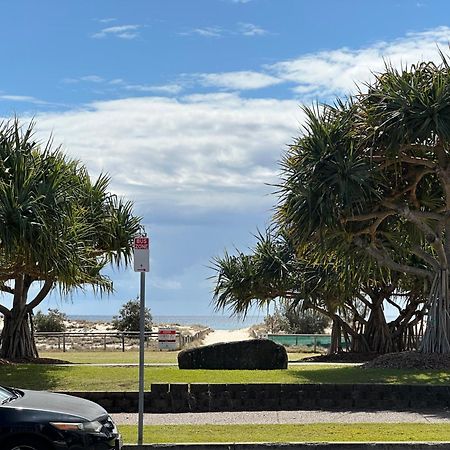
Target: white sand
<point x="227" y="336"/>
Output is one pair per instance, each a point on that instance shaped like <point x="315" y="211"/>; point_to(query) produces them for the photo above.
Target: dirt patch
<point x="410" y="360"/>
<point x="344" y="357"/>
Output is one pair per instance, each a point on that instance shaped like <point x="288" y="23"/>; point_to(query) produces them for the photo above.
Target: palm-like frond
<point x="56" y="224"/>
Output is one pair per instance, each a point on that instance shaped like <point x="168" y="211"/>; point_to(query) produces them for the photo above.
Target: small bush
<point x="296" y="320"/>
<point x="51" y="322"/>
<point x="128" y="318"/>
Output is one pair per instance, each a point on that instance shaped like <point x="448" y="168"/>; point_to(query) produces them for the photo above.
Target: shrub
<point x="296" y="320"/>
<point x="128" y="318"/>
<point x="53" y="321"/>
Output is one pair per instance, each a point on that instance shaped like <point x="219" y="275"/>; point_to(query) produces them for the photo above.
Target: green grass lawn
<point x="132" y="357"/>
<point x="323" y="432"/>
<point x="116" y="378"/>
<point x="112" y="357"/>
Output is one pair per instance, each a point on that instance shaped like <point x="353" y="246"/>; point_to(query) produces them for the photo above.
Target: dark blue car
<point x="36" y="420"/>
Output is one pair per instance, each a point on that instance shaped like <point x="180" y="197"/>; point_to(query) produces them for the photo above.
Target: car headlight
<point x="88" y="427"/>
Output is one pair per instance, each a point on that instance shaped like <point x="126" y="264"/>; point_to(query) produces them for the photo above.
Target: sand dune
<point x="227" y="336"/>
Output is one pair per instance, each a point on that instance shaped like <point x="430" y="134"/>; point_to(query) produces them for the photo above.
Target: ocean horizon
<point x="215" y="322"/>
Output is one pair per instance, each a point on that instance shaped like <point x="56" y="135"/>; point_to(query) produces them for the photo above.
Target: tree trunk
<point x="377" y="333"/>
<point x="336" y="331"/>
<point x="17" y="339"/>
<point x="407" y="329"/>
<point x="437" y="333"/>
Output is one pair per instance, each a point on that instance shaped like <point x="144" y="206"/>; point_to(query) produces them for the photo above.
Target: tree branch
<point x="391" y="302"/>
<point x="364" y="300"/>
<point x="419" y="252"/>
<point x="7" y="289"/>
<point x="404" y="158"/>
<point x="430" y="235"/>
<point x="417" y="161"/>
<point x="5" y="311"/>
<point x="385" y="260"/>
<point x="369" y="216"/>
<point x="41" y="295"/>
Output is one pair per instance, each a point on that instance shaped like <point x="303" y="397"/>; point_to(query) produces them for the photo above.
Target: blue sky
<point x="189" y="105"/>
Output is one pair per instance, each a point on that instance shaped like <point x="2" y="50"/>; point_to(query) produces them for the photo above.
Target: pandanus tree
<point x="374" y="174"/>
<point x="58" y="229"/>
<point x="368" y="182"/>
<point x="349" y="290"/>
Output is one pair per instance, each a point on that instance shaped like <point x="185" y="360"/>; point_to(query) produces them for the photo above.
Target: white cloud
<point x="117" y="81"/>
<point x="205" y="32"/>
<point x="179" y="158"/>
<point x="120" y="31"/>
<point x="238" y="80"/>
<point x="215" y="152"/>
<point x="336" y="71"/>
<point x="249" y="29"/>
<point x="332" y="72"/>
<point x="92" y="79"/>
<point x="163" y="89"/>
<point x="86" y="78"/>
<point x="241" y="29"/>
<point x="107" y="20"/>
<point x="23" y="99"/>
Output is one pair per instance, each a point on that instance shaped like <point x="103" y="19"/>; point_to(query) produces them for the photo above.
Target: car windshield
<point x="6" y="395"/>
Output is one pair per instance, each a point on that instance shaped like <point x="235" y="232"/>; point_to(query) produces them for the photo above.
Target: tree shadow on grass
<point x="32" y="376"/>
<point x="358" y="375"/>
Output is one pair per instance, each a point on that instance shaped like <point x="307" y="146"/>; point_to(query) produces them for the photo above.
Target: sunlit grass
<point x="323" y="432"/>
<point x="116" y="378"/>
<point x="132" y="356"/>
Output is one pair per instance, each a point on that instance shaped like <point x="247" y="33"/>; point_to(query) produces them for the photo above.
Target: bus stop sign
<point x="141" y="246"/>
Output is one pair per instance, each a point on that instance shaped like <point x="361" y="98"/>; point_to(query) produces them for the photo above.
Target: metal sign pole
<point x="141" y="360"/>
<point x="141" y="246"/>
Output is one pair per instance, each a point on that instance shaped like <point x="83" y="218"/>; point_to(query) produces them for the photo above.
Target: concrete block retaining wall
<point x="180" y="397"/>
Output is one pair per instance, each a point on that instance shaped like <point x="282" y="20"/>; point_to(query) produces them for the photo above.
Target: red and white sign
<point x="167" y="339"/>
<point x="141" y="246"/>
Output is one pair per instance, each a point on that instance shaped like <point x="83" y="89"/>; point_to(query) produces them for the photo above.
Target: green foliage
<point x="58" y="228"/>
<point x="53" y="321"/>
<point x="129" y="316"/>
<point x="363" y="207"/>
<point x="294" y="319"/>
<point x="57" y="224"/>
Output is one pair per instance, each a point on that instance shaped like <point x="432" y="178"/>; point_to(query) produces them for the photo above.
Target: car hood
<point x="59" y="404"/>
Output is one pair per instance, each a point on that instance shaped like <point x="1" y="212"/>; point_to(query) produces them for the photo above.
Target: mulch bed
<point x="33" y="361"/>
<point x="401" y="360"/>
<point x="344" y="357"/>
<point x="410" y="360"/>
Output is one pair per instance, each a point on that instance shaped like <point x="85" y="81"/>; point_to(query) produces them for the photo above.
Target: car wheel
<point x="24" y="444"/>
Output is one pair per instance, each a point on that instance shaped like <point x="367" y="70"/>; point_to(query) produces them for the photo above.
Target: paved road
<point x="277" y="417"/>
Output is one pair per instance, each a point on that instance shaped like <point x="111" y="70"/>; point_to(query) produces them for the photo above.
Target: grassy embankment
<point x="323" y="432"/>
<point x="116" y="378"/>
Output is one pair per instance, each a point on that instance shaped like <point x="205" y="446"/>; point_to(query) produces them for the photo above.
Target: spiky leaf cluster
<point x="56" y="224"/>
